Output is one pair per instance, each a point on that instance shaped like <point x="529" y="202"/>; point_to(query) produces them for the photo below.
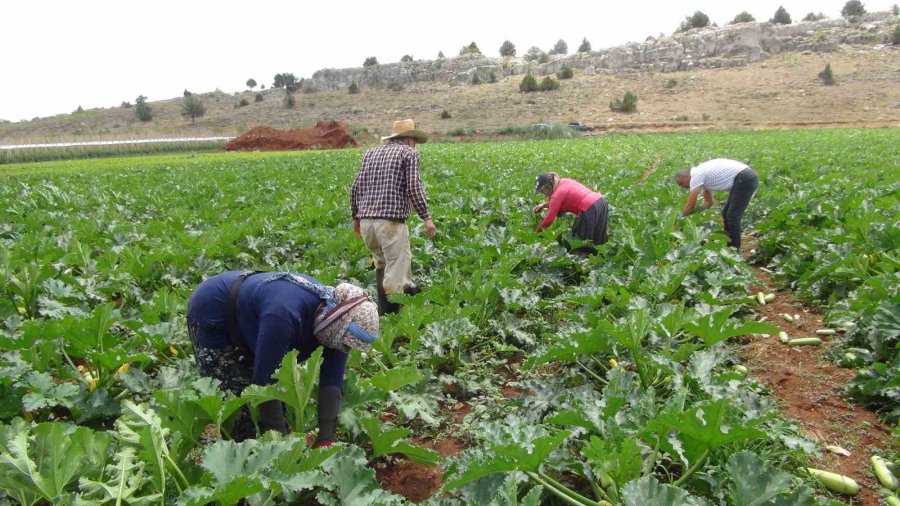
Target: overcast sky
<point x="61" y="54"/>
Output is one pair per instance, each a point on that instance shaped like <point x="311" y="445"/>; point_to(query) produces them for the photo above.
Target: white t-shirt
<point x="716" y="174"/>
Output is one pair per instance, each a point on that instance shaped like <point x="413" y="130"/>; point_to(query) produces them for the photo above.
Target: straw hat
<point x="406" y="128"/>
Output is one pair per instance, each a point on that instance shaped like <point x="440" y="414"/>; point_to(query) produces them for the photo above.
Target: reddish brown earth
<point x="810" y="389"/>
<point x="325" y="135"/>
<point x="414" y="481"/>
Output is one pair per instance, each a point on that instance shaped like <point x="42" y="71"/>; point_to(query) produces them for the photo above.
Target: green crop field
<point x="622" y="361"/>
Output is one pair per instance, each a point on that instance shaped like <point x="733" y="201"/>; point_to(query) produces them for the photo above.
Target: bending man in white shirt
<point x="721" y="174"/>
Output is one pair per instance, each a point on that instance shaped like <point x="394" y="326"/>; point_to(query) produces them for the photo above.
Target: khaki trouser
<point x="389" y="243"/>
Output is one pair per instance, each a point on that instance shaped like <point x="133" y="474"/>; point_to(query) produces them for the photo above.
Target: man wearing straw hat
<point x="386" y="186"/>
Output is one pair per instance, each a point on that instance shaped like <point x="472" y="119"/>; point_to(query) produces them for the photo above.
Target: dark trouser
<point x="745" y="184"/>
<point x="592" y="224"/>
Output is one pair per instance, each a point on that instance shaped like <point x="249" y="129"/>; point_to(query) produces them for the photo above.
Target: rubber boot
<point x="271" y="417"/>
<point x="329" y="404"/>
<point x="379" y="287"/>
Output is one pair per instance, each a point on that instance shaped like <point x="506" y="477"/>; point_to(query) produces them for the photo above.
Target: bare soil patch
<point x="810" y="389"/>
<point x="413" y="481"/>
<point x="325" y="135"/>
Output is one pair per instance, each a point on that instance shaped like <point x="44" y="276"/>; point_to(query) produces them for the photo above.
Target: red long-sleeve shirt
<point x="570" y="196"/>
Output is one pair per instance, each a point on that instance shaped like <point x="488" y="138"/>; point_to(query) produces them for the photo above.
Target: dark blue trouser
<point x="745" y="184"/>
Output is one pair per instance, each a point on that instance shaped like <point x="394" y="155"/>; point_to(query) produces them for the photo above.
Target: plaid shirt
<point x="387" y="183"/>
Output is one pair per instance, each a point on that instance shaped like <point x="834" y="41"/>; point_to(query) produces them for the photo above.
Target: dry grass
<point x="783" y="91"/>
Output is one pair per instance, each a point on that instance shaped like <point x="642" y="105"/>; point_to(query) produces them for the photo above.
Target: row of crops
<point x="628" y="390"/>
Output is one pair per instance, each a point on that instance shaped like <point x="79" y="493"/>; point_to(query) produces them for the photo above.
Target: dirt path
<point x="810" y="389"/>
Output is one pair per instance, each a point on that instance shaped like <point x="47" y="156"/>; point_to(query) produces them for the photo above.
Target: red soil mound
<point x="325" y="135"/>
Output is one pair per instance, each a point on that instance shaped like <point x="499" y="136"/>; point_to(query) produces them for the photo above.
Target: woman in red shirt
<point x="570" y="196"/>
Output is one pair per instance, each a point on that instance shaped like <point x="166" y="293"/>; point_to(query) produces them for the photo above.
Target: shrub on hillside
<point x="142" y="109"/>
<point x="440" y="55"/>
<point x="370" y="61"/>
<point x="395" y="86"/>
<point x="243" y="103"/>
<point x="698" y="20"/>
<point x="671" y="83"/>
<point x="627" y="104"/>
<point x="259" y="97"/>
<point x="895" y="37"/>
<point x="544" y="58"/>
<point x="472" y="48"/>
<point x="826" y="75"/>
<point x="585" y="46"/>
<point x="533" y="53"/>
<point x="853" y="8"/>
<point x="565" y="73"/>
<point x="507" y="48"/>
<point x="560" y="47"/>
<point x="287" y="81"/>
<point x="406" y="58"/>
<point x="812" y="16"/>
<point x="492" y="76"/>
<point x="192" y="107"/>
<point x="353" y="89"/>
<point x="126" y="104"/>
<point x="781" y="17"/>
<point x="743" y="17"/>
<point x="289" y="101"/>
<point x="895" y="10"/>
<point x="475" y="78"/>
<point x="445" y="114"/>
<point x="549" y="84"/>
<point x="528" y="84"/>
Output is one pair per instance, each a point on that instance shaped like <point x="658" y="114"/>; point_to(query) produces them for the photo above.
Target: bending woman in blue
<point x="243" y="323"/>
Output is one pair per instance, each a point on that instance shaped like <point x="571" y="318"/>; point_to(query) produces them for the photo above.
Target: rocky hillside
<point x="752" y="75"/>
<point x="713" y="47"/>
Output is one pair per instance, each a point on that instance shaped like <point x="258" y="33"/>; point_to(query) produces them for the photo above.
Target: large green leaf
<point x="45" y="460"/>
<point x="647" y="491"/>
<point x="294" y="385"/>
<point x="352" y="482"/>
<point x="396" y="378"/>
<point x="124" y="480"/>
<point x="385" y="442"/>
<point x="753" y="482"/>
<point x="691" y="433"/>
<point x="718" y="326"/>
<point x="526" y="456"/>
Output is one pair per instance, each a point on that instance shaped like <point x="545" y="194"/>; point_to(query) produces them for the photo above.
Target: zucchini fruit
<point x="885" y="476"/>
<point x="805" y="341"/>
<point x="835" y="482"/>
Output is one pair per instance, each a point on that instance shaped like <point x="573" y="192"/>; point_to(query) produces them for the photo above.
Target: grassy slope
<point x="782" y="91"/>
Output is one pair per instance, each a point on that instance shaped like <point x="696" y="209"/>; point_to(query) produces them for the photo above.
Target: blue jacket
<point x="274" y="318"/>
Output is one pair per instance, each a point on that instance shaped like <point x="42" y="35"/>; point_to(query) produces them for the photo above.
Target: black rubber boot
<point x="329" y="404"/>
<point x="379" y="287"/>
<point x="271" y="417"/>
<point x="385" y="306"/>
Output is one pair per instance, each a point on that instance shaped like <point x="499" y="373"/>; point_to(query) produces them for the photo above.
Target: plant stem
<point x="269" y="499"/>
<point x="641" y="373"/>
<point x="590" y="372"/>
<point x="564" y="495"/>
<point x="692" y="469"/>
<point x="599" y="363"/>
<point x="178" y="473"/>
